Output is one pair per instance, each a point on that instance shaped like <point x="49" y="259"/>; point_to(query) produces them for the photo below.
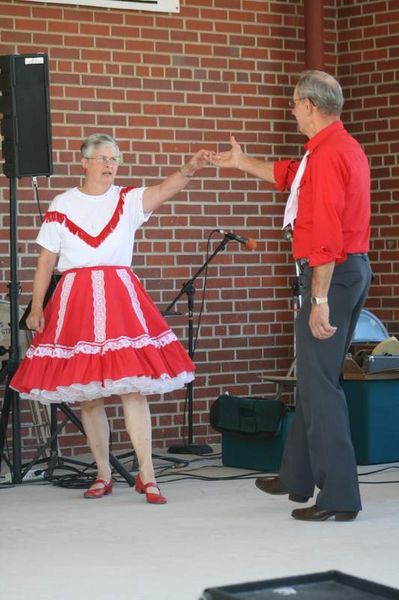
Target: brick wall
<point x="166" y="85"/>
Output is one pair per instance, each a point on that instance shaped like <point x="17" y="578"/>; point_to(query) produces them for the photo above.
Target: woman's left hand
<point x="155" y="195"/>
<point x="199" y="160"/>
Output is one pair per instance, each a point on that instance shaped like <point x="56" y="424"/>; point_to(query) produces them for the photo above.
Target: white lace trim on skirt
<point x="65" y="293"/>
<point x="95" y="389"/>
<point x="59" y="351"/>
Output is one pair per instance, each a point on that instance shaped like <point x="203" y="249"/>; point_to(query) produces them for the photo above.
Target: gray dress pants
<point x="319" y="450"/>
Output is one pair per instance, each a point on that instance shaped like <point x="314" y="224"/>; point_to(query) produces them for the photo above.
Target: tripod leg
<point x="113" y="460"/>
<point x="16" y="438"/>
<point x="5" y="412"/>
<point x="53" y="459"/>
<point x="11" y="401"/>
<point x="121" y="470"/>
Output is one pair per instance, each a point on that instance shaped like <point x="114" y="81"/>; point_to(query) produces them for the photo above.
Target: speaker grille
<point x="26" y="126"/>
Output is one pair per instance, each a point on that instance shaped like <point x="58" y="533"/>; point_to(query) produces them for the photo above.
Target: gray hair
<point x="322" y="90"/>
<point x="95" y="141"/>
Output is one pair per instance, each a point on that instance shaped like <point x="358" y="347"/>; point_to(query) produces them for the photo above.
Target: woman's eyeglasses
<point x="112" y="160"/>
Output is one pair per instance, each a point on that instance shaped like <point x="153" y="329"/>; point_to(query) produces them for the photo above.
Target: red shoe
<point x="141" y="488"/>
<point x="99" y="492"/>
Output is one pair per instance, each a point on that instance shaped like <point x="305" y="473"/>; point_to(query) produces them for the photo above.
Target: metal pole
<point x="14" y="331"/>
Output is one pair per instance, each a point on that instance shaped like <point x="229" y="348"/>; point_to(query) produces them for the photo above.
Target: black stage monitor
<point x="330" y="585"/>
<point x="26" y="123"/>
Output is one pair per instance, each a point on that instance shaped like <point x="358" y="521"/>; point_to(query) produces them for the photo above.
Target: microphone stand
<point x="189" y="289"/>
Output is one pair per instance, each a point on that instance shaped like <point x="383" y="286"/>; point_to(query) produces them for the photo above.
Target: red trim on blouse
<point x="94" y="241"/>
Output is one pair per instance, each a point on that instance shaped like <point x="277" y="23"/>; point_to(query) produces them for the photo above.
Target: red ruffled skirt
<point x="103" y="335"/>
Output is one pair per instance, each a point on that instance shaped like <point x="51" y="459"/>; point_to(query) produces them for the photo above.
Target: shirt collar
<point x="323" y="134"/>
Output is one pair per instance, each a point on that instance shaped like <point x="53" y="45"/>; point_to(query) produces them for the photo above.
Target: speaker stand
<point x="11" y="397"/>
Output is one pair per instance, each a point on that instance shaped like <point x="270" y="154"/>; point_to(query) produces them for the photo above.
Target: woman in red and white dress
<point x="101" y="334"/>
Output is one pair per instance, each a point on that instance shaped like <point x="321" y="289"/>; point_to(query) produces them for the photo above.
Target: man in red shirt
<point x="329" y="210"/>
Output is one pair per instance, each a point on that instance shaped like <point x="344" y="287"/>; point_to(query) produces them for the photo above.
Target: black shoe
<point x="274" y="485"/>
<point x="314" y="513"/>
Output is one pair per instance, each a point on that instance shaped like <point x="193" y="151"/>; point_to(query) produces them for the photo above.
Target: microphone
<point x="249" y="243"/>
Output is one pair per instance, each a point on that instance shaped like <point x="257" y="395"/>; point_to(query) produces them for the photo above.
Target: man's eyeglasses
<point x="112" y="160"/>
<point x="292" y="102"/>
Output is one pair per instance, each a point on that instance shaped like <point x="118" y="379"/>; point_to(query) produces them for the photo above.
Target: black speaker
<point x="329" y="585"/>
<point x="26" y="123"/>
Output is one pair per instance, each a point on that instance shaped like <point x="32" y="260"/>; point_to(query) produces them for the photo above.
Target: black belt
<point x="303" y="262"/>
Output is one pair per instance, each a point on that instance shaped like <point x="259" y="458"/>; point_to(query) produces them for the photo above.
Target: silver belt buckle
<point x="302" y="263"/>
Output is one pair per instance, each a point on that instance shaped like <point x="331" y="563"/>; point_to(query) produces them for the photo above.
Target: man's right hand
<point x="237" y="159"/>
<point x="319" y="322"/>
<point x="230" y="158"/>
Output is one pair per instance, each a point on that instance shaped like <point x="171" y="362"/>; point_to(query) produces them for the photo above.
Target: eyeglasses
<point x="292" y="102"/>
<point x="112" y="160"/>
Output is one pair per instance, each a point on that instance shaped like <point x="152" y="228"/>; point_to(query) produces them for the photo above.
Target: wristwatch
<point x="318" y="300"/>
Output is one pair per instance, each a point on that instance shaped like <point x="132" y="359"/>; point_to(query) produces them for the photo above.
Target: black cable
<point x="39" y="208"/>
<point x="251" y="475"/>
<point x="83" y="478"/>
<point x="74" y="481"/>
<point x="79" y="480"/>
<point x="243" y="476"/>
<point x="36" y="196"/>
<point x="378" y="482"/>
<point x="379" y="470"/>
